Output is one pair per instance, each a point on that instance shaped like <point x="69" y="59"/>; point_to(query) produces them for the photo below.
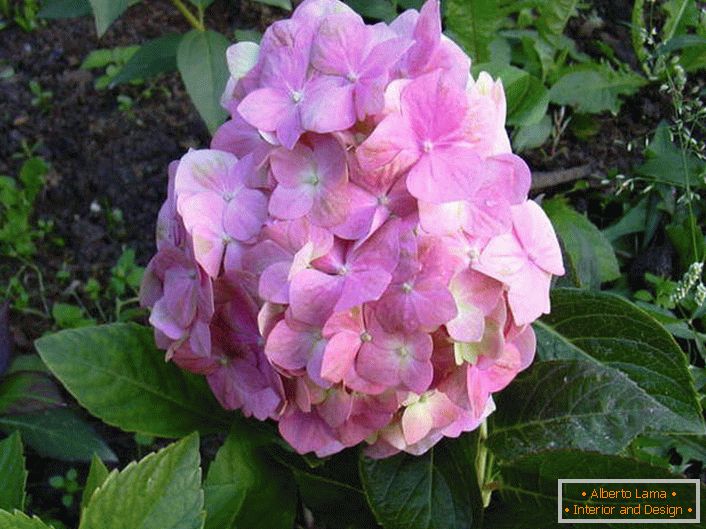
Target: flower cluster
<point x="355" y="256"/>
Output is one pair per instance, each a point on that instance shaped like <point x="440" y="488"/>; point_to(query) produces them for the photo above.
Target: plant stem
<point x="188" y="15"/>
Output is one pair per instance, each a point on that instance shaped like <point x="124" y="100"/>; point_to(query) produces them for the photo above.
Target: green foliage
<point x="68" y="316"/>
<point x="106" y="12"/>
<point x="17" y="520"/>
<point x="41" y="98"/>
<point x="129" y="385"/>
<point x="282" y="4"/>
<point x="112" y="61"/>
<point x="569" y="404"/>
<point x="163" y="490"/>
<point x="589" y="253"/>
<point x="610" y="331"/>
<point x="97" y="474"/>
<point x="595" y="88"/>
<point x="380" y="10"/>
<point x="474" y="25"/>
<point x="553" y="17"/>
<point x="58" y="433"/>
<point x="152" y="58"/>
<point x="13" y="474"/>
<point x="434" y="490"/>
<point x="202" y="63"/>
<point x="17" y="234"/>
<point x="244" y="483"/>
<point x="57" y="9"/>
<point x="67" y="485"/>
<point x="529" y="484"/>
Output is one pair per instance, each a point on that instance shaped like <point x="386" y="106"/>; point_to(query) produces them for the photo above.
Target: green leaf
<point x="247" y="35"/>
<point x="106" y="12"/>
<point x="529" y="485"/>
<point x="244" y="483"/>
<point x="18" y="520"/>
<point x="554" y="15"/>
<point x="609" y="330"/>
<point x="432" y="491"/>
<point x="152" y="58"/>
<point x="116" y="372"/>
<point x="13" y="474"/>
<point x="664" y="162"/>
<point x="594" y="88"/>
<point x="27" y="391"/>
<point x="59" y="433"/>
<point x="527" y="98"/>
<point x="54" y="9"/>
<point x="532" y="136"/>
<point x="331" y="489"/>
<point x="675" y="9"/>
<point x="530" y="103"/>
<point x="379" y="10"/>
<point x="474" y="24"/>
<point x="162" y="491"/>
<point x="282" y="4"/>
<point x="591" y="254"/>
<point x="201" y="58"/>
<point x="97" y="474"/>
<point x="633" y="221"/>
<point x="569" y="404"/>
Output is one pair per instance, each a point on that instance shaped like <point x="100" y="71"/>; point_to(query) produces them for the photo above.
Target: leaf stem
<point x="189" y="16"/>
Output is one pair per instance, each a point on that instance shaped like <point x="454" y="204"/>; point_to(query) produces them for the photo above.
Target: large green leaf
<point x="59" y="433"/>
<point x="591" y="254"/>
<point x="154" y="57"/>
<point x="331" y="489"/>
<point x="474" y="25"/>
<point x="106" y="12"/>
<point x="432" y="491"/>
<point x="594" y="88"/>
<point x="162" y="491"/>
<point x="97" y="475"/>
<point x="13" y="475"/>
<point x="609" y="330"/>
<point x="18" y="520"/>
<point x="65" y="9"/>
<point x="244" y="484"/>
<point x="201" y="58"/>
<point x="116" y="372"/>
<point x="529" y="485"/>
<point x="569" y="404"/>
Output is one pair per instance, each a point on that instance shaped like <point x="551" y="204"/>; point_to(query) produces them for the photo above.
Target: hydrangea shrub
<point x="355" y="257"/>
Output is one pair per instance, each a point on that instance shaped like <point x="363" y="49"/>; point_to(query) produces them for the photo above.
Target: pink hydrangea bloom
<point x="355" y="256"/>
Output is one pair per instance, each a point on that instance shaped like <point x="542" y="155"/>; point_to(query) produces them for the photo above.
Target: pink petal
<point x="322" y="95"/>
<point x="339" y="355"/>
<point x="265" y="108"/>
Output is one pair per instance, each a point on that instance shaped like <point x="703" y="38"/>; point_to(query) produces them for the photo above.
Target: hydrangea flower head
<point x="355" y="256"/>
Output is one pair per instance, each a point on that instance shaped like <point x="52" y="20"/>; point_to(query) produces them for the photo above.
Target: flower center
<point x="365" y="337"/>
<point x="352" y="77"/>
<point x="297" y="96"/>
<point x="407" y="287"/>
<point x="427" y="145"/>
